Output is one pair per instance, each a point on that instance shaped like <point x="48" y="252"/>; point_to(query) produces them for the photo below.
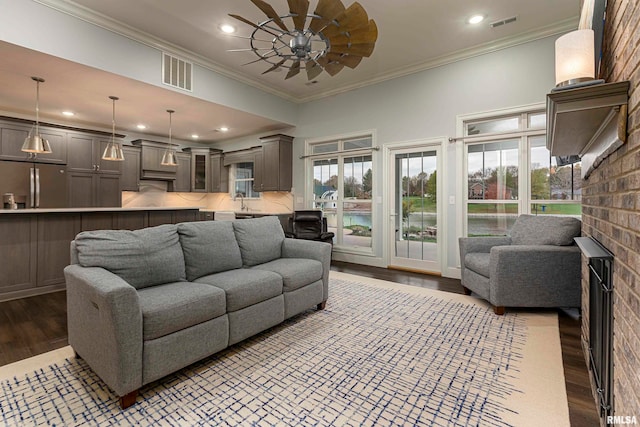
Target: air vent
<point x="177" y="72"/>
<point x="503" y="22"/>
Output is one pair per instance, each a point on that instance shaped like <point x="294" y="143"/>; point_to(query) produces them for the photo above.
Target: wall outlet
<point x="452" y="200"/>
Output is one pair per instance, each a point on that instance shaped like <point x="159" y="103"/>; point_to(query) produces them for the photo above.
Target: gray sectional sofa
<point x="143" y="304"/>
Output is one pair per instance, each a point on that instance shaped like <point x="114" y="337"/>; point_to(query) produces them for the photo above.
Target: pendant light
<point x="34" y="143"/>
<point x="113" y="151"/>
<point x="169" y="156"/>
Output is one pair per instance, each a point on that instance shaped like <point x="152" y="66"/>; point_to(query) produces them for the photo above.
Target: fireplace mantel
<point x="588" y="121"/>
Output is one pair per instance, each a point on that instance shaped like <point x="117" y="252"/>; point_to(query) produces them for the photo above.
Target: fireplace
<point x="600" y="345"/>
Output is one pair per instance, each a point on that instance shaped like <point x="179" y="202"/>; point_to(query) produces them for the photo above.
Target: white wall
<point x="425" y="105"/>
<point x="35" y="26"/>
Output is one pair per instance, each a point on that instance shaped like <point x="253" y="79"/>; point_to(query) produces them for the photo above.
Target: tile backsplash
<point x="154" y="194"/>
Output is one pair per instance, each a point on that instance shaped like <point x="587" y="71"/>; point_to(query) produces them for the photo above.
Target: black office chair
<point x="309" y="225"/>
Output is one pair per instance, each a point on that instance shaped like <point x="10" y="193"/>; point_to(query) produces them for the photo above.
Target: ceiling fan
<point x="328" y="39"/>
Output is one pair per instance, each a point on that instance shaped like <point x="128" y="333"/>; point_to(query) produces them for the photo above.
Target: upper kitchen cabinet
<point x="130" y="179"/>
<point x="273" y="164"/>
<point x="151" y="158"/>
<point x="200" y="167"/>
<point x="12" y="136"/>
<point x="219" y="174"/>
<point x="85" y="155"/>
<point x="183" y="174"/>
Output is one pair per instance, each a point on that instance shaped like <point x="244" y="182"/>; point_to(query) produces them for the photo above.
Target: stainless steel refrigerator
<point x="42" y="185"/>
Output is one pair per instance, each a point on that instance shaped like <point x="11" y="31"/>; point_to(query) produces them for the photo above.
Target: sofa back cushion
<point x="545" y="230"/>
<point x="146" y="257"/>
<point x="260" y="239"/>
<point x="209" y="247"/>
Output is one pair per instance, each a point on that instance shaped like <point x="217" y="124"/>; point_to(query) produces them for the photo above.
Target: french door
<point x="415" y="232"/>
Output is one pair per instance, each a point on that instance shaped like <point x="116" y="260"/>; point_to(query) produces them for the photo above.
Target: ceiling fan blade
<point x="294" y="70"/>
<point x="313" y="70"/>
<point x="328" y="10"/>
<point x="275" y="66"/>
<point x="246" y="21"/>
<point x="332" y="68"/>
<point x="368" y="34"/>
<point x="300" y="8"/>
<point x="350" y="61"/>
<point x="362" y="49"/>
<point x="354" y="17"/>
<point x="271" y="13"/>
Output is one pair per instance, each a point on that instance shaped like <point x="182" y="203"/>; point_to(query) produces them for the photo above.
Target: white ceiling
<point x="412" y="35"/>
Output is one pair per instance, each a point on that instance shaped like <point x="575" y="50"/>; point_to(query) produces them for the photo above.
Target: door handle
<point x="37" y="187"/>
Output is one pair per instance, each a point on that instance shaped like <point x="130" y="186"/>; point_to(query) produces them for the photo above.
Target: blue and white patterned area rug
<point x="379" y="355"/>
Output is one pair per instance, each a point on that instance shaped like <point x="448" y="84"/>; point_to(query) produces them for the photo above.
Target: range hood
<point x="150" y="158"/>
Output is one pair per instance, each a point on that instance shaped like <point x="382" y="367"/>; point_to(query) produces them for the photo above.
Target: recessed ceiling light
<point x="141" y="126"/>
<point x="475" y="19"/>
<point x="228" y="29"/>
<point x="224" y="129"/>
<point x="68" y="113"/>
<point x="195" y="136"/>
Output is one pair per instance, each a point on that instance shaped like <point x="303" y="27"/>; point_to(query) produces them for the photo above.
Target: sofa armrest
<point x="535" y="276"/>
<point x="320" y="251"/>
<point x="105" y="325"/>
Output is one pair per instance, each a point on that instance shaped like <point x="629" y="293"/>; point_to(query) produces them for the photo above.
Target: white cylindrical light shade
<point x="574" y="57"/>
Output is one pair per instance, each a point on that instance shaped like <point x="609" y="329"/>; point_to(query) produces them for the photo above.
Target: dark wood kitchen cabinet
<point x="92" y="181"/>
<point x="219" y="174"/>
<point x="273" y="164"/>
<point x="200" y="169"/>
<point x="182" y="182"/>
<point x="130" y="178"/>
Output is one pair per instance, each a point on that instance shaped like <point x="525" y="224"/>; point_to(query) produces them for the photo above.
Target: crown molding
<point x="85" y="14"/>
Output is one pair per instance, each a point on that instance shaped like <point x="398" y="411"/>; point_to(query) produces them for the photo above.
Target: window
<point x="510" y="172"/>
<point x="341" y="182"/>
<point x="241" y="176"/>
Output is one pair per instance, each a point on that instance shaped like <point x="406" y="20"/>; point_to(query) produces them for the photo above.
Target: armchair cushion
<point x="142" y="258"/>
<point x="478" y="262"/>
<point x="545" y="230"/>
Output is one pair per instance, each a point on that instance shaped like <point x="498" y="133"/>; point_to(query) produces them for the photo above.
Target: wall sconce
<point x="575" y="62"/>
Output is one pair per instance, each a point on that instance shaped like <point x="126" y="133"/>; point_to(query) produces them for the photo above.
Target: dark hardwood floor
<point x="35" y="325"/>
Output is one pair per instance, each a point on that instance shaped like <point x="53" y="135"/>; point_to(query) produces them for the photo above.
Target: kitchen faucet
<point x="242" y="206"/>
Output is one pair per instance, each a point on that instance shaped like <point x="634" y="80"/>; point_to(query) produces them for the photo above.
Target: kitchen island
<point x="34" y="243"/>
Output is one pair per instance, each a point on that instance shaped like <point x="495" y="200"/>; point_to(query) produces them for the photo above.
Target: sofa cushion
<point x="478" y="262"/>
<point x="260" y="239"/>
<point x="209" y="247"/>
<point x="245" y="287"/>
<point x="174" y="306"/>
<point x="545" y="230"/>
<point x="145" y="257"/>
<point x="295" y="272"/>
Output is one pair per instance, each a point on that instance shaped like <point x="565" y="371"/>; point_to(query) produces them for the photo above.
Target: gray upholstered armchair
<point x="538" y="265"/>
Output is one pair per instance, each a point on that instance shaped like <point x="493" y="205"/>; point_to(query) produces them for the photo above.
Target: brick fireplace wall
<point x="611" y="208"/>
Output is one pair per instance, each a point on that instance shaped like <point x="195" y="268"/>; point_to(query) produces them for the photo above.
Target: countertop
<point x="80" y="210"/>
<point x="246" y="212"/>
